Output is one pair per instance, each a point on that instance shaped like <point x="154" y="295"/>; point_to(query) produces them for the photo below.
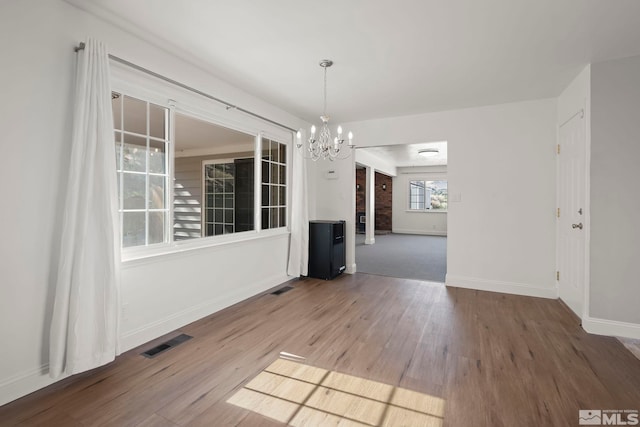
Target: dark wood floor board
<point x="495" y="359"/>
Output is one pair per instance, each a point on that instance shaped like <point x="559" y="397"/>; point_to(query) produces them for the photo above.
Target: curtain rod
<point x="227" y="105"/>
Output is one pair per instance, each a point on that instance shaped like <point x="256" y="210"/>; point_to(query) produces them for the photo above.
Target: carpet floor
<point x="406" y="256"/>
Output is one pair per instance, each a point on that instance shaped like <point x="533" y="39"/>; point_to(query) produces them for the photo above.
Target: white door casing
<point x="572" y="197"/>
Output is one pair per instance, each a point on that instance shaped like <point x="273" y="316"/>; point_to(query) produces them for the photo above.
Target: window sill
<point x="149" y="253"/>
<point x="427" y="211"/>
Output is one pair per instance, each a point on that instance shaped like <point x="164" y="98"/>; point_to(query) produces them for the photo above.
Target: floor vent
<point x="161" y="348"/>
<point x="282" y="290"/>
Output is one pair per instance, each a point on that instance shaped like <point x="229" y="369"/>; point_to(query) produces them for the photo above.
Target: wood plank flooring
<point x="495" y="359"/>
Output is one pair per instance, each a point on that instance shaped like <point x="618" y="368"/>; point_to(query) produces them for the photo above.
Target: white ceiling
<point x="391" y="57"/>
<point x="407" y="155"/>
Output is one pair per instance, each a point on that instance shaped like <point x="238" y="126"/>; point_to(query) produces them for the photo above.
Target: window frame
<point x="425" y="210"/>
<point x="131" y="83"/>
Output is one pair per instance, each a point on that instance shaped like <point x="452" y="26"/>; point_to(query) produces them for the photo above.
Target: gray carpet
<point x="407" y="256"/>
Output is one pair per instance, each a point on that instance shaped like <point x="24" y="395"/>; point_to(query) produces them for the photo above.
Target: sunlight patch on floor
<point x="303" y="395"/>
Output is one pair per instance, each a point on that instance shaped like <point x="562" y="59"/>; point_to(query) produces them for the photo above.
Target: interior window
<point x="214" y="179"/>
<point x="205" y="185"/>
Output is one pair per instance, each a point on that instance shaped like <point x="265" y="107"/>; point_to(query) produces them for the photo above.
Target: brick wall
<point x="383" y="198"/>
<point x="383" y="202"/>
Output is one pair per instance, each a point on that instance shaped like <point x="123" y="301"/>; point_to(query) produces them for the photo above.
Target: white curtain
<point x="299" y="245"/>
<point x="84" y="327"/>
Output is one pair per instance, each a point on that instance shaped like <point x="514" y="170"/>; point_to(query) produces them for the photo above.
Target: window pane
<point x="116" y="103"/>
<point x="265" y="171"/>
<point x="283" y="153"/>
<point x="283" y="195"/>
<point x="133" y="229"/>
<point x="266" y="149"/>
<point x="265" y="195"/>
<point x="438" y="196"/>
<point x="282" y="174"/>
<point x="157" y="121"/>
<point x="118" y="139"/>
<point x="275" y="155"/>
<point x="156" y="227"/>
<point x="134" y="190"/>
<point x="274" y="217"/>
<point x="157" y="156"/>
<point x="283" y="216"/>
<point x="135" y="115"/>
<point x="274" y="173"/>
<point x="134" y="153"/>
<point x="265" y="218"/>
<point x="274" y="196"/>
<point x="156" y="192"/>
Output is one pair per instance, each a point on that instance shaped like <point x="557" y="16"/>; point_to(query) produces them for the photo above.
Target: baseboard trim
<point x="24" y="383"/>
<point x="420" y="232"/>
<point x="598" y="326"/>
<point x="146" y="333"/>
<point x="27" y="382"/>
<point x="503" y="287"/>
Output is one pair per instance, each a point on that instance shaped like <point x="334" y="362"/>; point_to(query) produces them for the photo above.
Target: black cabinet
<point x="326" y="249"/>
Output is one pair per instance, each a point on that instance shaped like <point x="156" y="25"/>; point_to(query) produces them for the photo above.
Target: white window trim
<point x="130" y="82"/>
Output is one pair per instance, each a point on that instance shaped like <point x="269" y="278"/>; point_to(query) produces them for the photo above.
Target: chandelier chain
<point x="324" y="109"/>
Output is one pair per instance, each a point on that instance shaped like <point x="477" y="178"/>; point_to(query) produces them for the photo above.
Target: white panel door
<point x="571" y="221"/>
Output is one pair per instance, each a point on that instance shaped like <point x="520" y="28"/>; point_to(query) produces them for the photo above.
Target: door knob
<point x="579" y="225"/>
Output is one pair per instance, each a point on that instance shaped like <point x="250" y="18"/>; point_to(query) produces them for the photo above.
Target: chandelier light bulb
<point x="339" y="130"/>
<point x="313" y="130"/>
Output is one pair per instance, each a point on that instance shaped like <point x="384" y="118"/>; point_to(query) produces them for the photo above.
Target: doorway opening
<point x="405" y="193"/>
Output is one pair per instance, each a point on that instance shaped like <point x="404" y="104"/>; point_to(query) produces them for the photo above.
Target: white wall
<point x="501" y="232"/>
<point x="365" y="158"/>
<point x="415" y="222"/>
<point x="36" y="41"/>
<point x="335" y="198"/>
<point x="615" y="205"/>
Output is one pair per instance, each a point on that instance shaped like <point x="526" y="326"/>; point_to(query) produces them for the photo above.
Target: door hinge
<point x="558" y="149"/>
<point x="558" y="276"/>
<point x="558" y="213"/>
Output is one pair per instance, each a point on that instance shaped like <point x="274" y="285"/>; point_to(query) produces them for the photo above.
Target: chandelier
<point x="322" y="146"/>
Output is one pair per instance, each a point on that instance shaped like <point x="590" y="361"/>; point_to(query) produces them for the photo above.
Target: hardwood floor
<point x="495" y="359"/>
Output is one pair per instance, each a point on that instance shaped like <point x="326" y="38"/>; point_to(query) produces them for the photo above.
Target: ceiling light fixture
<point x="429" y="152"/>
<point x="322" y="146"/>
